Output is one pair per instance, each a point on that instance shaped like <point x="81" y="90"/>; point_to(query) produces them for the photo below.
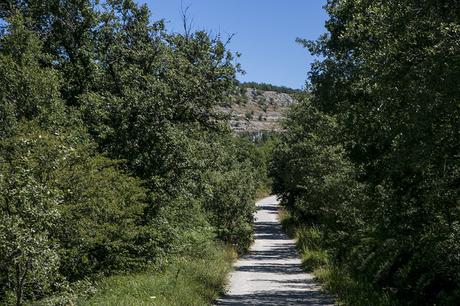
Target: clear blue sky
<point x="265" y="32"/>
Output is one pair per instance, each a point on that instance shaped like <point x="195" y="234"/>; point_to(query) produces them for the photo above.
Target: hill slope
<point x="255" y="111"/>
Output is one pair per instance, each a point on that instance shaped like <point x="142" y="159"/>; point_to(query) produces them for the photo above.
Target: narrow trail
<point x="271" y="273"/>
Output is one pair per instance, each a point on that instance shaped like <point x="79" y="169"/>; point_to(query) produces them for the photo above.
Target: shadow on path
<point x="271" y="274"/>
<point x="288" y="297"/>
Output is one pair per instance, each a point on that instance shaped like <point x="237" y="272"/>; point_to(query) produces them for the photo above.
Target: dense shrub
<point x="79" y="204"/>
<point x="229" y="200"/>
<point x="372" y="156"/>
<point x="114" y="156"/>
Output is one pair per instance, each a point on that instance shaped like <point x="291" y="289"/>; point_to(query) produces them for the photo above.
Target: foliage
<point x="186" y="281"/>
<point x="27" y="216"/>
<point x="233" y="191"/>
<point x="249" y="115"/>
<point x="371" y="158"/>
<point x="269" y="87"/>
<point x="259" y="150"/>
<point x="29" y="91"/>
<point x="80" y="206"/>
<point x="100" y="217"/>
<point x="311" y="171"/>
<point x="114" y="156"/>
<point x="316" y="258"/>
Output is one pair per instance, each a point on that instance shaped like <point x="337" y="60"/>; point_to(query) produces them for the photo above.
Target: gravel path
<point x="271" y="273"/>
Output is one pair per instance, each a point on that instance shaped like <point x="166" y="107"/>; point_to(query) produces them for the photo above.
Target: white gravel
<point x="271" y="273"/>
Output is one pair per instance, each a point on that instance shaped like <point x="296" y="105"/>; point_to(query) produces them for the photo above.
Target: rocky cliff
<point x="254" y="111"/>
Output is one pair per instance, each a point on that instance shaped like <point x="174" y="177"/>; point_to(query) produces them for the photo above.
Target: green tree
<point x="29" y="91"/>
<point x="66" y="29"/>
<point x="28" y="212"/>
<point x="388" y="79"/>
<point x="119" y="121"/>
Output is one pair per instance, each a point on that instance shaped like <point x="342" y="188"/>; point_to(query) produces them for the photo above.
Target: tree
<point x="66" y="29"/>
<point x="389" y="79"/>
<point x="28" y="213"/>
<point x="116" y="127"/>
<point x="29" y="91"/>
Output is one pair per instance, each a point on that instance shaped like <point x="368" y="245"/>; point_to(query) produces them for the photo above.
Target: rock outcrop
<point x="254" y="111"/>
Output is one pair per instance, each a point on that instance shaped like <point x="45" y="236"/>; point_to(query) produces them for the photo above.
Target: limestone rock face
<point x="255" y="111"/>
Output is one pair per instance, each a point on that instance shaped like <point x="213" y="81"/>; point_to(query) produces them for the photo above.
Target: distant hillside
<point x="254" y="111"/>
<point x="269" y="87"/>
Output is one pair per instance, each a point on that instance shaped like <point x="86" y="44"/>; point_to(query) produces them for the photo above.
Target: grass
<point x="308" y="241"/>
<point x="262" y="192"/>
<point x="187" y="281"/>
<point x="348" y="290"/>
<point x="335" y="280"/>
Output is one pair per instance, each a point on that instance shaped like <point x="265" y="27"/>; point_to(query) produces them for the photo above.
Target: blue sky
<point x="265" y="32"/>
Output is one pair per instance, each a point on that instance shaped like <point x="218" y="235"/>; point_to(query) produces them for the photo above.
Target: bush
<point x="370" y="154"/>
<point x="231" y="207"/>
<point x="113" y="152"/>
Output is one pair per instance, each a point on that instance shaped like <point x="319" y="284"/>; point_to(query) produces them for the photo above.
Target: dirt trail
<point x="271" y="273"/>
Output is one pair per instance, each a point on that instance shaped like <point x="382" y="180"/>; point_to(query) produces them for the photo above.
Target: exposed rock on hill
<point x="254" y="111"/>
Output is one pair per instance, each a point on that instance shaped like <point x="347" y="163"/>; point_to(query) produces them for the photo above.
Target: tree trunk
<point x="18" y="286"/>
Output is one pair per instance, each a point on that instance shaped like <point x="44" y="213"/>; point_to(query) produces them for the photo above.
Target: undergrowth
<point x="186" y="281"/>
<point x="335" y="280"/>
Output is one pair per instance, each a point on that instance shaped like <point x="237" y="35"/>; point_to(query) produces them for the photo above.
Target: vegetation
<point x="186" y="281"/>
<point x="120" y="182"/>
<point x="259" y="151"/>
<point x="370" y="157"/>
<point x="316" y="258"/>
<point x="114" y="158"/>
<point x="268" y="87"/>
